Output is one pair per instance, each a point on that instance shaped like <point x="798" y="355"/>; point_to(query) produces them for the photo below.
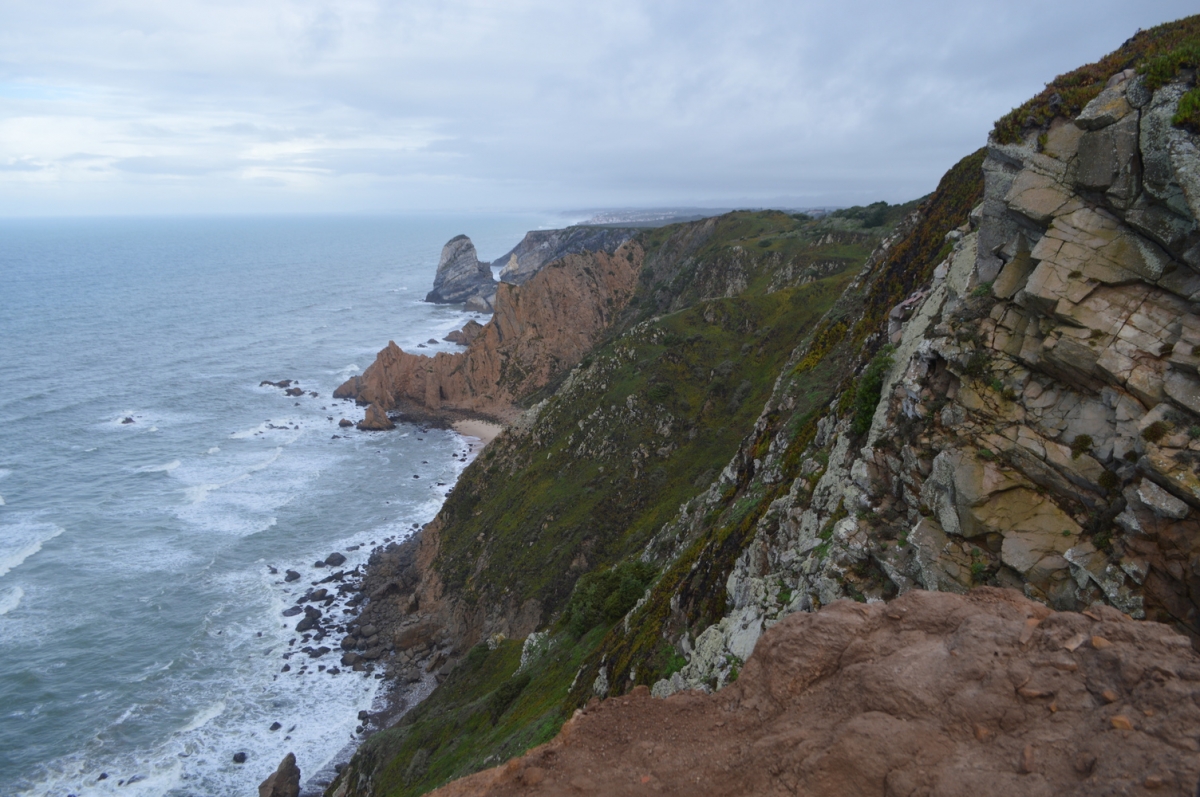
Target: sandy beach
<point x="484" y="431"/>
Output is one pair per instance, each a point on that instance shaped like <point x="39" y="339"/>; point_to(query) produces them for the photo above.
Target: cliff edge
<point x="934" y="693"/>
<point x="540" y="247"/>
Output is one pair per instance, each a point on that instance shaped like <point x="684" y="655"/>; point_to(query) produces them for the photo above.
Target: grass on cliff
<point x="1159" y="51"/>
<point x="530" y="522"/>
<point x="485" y="713"/>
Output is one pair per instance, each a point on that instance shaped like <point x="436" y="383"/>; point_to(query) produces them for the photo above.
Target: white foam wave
<point x="5" y="473"/>
<point x="10" y="599"/>
<point x="21" y="540"/>
<point x="1" y="500"/>
<point x="203" y="717"/>
<point x="214" y="450"/>
<point x="164" y="468"/>
<point x="198" y="492"/>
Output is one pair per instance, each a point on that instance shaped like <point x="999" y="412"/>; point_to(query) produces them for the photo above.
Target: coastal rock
<point x="460" y="275"/>
<point x="468" y="333"/>
<point x="284" y="781"/>
<point x="541" y="247"/>
<point x="539" y="330"/>
<point x="376" y="420"/>
<point x="291" y="575"/>
<point x="239" y="758"/>
<point x="335" y="559"/>
<point x="917" y="696"/>
<point x="345" y="422"/>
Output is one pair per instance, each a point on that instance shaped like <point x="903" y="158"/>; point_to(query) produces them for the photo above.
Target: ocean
<point x="153" y="492"/>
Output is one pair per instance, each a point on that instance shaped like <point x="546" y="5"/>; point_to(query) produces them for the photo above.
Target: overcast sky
<point x="182" y="106"/>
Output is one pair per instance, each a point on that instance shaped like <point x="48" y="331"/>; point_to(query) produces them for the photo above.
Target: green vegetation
<point x="1156" y="431"/>
<point x="1188" y="114"/>
<point x="485" y="713"/>
<point x="1158" y="53"/>
<point x="1081" y="445"/>
<point x="867" y="394"/>
<point x="604" y="596"/>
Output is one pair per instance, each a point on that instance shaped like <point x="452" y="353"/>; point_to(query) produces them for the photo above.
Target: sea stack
<point x="461" y="278"/>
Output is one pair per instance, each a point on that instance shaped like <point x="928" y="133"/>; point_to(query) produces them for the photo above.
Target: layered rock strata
<point x="540" y="247"/>
<point x="461" y="278"/>
<point x="1040" y="421"/>
<point x="539" y="330"/>
<point x="985" y="694"/>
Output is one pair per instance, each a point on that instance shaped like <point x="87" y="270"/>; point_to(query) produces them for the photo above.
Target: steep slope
<point x="934" y="693"/>
<point x="576" y="486"/>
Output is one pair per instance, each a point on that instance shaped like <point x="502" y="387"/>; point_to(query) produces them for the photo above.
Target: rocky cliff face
<point x="987" y="694"/>
<point x="538" y="331"/>
<point x="1039" y="424"/>
<point x="540" y="247"/>
<point x="461" y="278"/>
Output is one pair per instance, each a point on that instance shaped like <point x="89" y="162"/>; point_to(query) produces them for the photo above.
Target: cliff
<point x="934" y="693"/>
<point x="538" y="330"/>
<point x="540" y="247"/>
<point x="994" y="389"/>
<point x="461" y="278"/>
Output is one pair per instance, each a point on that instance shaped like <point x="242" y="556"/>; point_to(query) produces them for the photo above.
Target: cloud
<point x="390" y="104"/>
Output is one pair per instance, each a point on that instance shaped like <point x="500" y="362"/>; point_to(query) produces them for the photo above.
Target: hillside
<point x="997" y="386"/>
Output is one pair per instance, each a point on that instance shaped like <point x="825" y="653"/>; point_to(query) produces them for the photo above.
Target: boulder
<point x="291" y="575"/>
<point x="345" y="422"/>
<point x="460" y="275"/>
<point x="335" y="559"/>
<point x="284" y="781"/>
<point x="468" y="333"/>
<point x="376" y="420"/>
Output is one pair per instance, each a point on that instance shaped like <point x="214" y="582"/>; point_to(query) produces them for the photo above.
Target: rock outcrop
<point x="461" y="278"/>
<point x="935" y="693"/>
<point x="540" y="247"/>
<point x="284" y="781"/>
<point x="468" y="333"/>
<point x="539" y="330"/>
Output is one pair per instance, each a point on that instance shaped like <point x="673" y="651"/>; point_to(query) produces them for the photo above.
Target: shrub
<point x="870" y="389"/>
<point x="1109" y="481"/>
<point x="503" y="697"/>
<point x="1188" y="115"/>
<point x="981" y="290"/>
<point x="1080" y="445"/>
<point x="1156" y="431"/>
<point x="606" y="595"/>
<point x="978" y="364"/>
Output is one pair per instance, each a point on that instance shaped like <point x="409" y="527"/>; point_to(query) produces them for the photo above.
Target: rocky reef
<point x="933" y="693"/>
<point x="461" y="278"/>
<point x="540" y="247"/>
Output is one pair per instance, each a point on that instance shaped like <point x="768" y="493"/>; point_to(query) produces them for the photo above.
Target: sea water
<point x="153" y="492"/>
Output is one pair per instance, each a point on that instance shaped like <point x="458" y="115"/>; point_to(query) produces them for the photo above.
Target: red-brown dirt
<point x="931" y="694"/>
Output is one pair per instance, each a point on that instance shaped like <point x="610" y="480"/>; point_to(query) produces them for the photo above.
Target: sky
<point x="282" y="106"/>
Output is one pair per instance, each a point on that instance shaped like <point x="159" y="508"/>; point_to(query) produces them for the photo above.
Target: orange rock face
<point x="539" y="330"/>
<point x="934" y="693"/>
